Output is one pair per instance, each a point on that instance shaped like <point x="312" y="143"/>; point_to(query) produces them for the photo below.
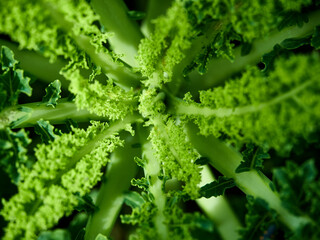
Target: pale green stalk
<point x="114" y="17"/>
<point x="26" y="115"/>
<point x="122" y="75"/>
<point x="152" y="172"/>
<point x="178" y="106"/>
<point x="116" y="181"/>
<point x="226" y="160"/>
<point x="218" y="210"/>
<point x="221" y="69"/>
<point x="155" y="9"/>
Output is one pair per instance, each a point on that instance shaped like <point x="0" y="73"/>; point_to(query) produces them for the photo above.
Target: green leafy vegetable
<point x="154" y="99"/>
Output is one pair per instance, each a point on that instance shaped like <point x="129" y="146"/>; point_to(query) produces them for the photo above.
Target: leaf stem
<point x="120" y="171"/>
<point x="152" y="171"/>
<point x="114" y="17"/>
<point x="180" y="107"/>
<point x="27" y="115"/>
<point x="221" y="69"/>
<point x="219" y="210"/>
<point x="226" y="160"/>
<point x="122" y="75"/>
<point x="114" y="128"/>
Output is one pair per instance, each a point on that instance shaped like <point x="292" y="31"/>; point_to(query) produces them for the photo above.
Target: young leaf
<point x="176" y="153"/>
<point x="86" y="204"/>
<point x="7" y="59"/>
<point x="107" y="100"/>
<point x="133" y="199"/>
<point x="293" y="43"/>
<point x="167" y="48"/>
<point x="141" y="183"/>
<point x="45" y="130"/>
<point x="253" y="159"/>
<point x="216" y="188"/>
<point x="292" y="18"/>
<point x="141" y="162"/>
<point x="269" y="58"/>
<point x="12" y="79"/>
<point x="52" y="93"/>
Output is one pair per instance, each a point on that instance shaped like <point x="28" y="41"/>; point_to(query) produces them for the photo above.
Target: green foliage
<point x="103" y="100"/>
<point x="298" y="187"/>
<point x="269" y="58"/>
<point x="262" y="112"/>
<point x="52" y="93"/>
<point x="216" y="188"/>
<point x="86" y="204"/>
<point x="47" y="191"/>
<point x="45" y="130"/>
<point x="13" y="144"/>
<point x="169" y="40"/>
<point x="48" y="37"/>
<point x="253" y="159"/>
<point x="299" y="191"/>
<point x="12" y="79"/>
<point x="176" y="153"/>
<point x="292" y="18"/>
<point x="179" y="225"/>
<point x="13" y="152"/>
<point x="260" y="219"/>
<point x="130" y="68"/>
<point x="225" y="22"/>
<point x="293" y="43"/>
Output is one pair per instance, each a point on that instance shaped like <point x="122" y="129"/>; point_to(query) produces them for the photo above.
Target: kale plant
<point x="172" y="119"/>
